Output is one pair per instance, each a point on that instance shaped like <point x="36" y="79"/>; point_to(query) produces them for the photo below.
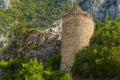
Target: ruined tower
<point x="78" y="27"/>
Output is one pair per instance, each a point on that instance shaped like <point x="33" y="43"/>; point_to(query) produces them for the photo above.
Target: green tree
<point x="102" y="58"/>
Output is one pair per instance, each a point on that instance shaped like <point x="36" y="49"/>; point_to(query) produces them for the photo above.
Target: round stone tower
<point x="78" y="27"/>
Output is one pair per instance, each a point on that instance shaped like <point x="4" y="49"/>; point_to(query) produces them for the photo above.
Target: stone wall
<point x="78" y="27"/>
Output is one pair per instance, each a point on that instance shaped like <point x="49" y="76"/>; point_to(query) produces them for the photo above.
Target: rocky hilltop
<point x="32" y="44"/>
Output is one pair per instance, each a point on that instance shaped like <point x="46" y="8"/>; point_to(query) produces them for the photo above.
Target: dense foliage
<point x="38" y="13"/>
<point x="21" y="69"/>
<point x="102" y="58"/>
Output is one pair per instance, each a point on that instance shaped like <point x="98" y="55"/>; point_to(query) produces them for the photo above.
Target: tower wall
<point x="78" y="27"/>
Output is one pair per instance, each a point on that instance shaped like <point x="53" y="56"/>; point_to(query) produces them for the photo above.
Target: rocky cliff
<point x="32" y="44"/>
<point x="101" y="8"/>
<point x="5" y="3"/>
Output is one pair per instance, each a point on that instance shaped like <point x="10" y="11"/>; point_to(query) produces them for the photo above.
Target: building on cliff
<point x="78" y="27"/>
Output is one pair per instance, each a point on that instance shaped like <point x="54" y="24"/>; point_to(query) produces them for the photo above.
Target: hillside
<point x="59" y="40"/>
<point x="33" y="14"/>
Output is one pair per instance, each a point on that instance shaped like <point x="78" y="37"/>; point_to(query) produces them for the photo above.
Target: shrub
<point x="21" y="69"/>
<point x="97" y="61"/>
<point x="66" y="77"/>
<point x="31" y="71"/>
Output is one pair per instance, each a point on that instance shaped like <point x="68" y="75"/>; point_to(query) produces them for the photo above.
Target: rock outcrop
<point x="32" y="44"/>
<point x="101" y="8"/>
<point x="5" y="3"/>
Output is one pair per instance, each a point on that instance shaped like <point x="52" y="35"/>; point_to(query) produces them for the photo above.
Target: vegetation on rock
<point x="31" y="14"/>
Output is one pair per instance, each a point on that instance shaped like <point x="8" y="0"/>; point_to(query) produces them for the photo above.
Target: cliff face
<point x="5" y="3"/>
<point x="101" y="8"/>
<point x="32" y="44"/>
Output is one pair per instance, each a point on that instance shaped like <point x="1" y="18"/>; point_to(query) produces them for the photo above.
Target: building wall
<point x="78" y="27"/>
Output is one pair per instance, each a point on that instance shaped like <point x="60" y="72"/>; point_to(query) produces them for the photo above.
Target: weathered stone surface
<point x="5" y="3"/>
<point x="78" y="27"/>
<point x="101" y="8"/>
<point x="32" y="44"/>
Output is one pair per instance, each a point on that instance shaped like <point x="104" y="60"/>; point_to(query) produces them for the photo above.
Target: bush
<point x="102" y="58"/>
<point x="21" y="69"/>
<point x="107" y="34"/>
<point x="31" y="71"/>
<point x="66" y="77"/>
<point x="97" y="61"/>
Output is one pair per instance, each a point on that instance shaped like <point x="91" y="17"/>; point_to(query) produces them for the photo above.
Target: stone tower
<point x="78" y="27"/>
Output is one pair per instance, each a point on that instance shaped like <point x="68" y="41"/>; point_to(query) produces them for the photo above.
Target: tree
<point x="101" y="58"/>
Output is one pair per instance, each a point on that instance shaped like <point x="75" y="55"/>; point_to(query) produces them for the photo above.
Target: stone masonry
<point x="78" y="27"/>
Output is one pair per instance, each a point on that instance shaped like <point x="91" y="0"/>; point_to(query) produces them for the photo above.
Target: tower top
<point x="78" y="10"/>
